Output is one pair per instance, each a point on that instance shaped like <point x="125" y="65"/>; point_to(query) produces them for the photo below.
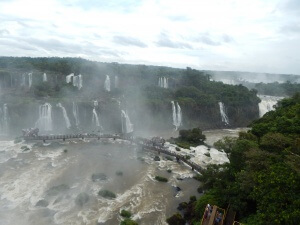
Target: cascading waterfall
<point x="76" y="113"/>
<point x="116" y="81"/>
<point x="224" y="117"/>
<point x="77" y="81"/>
<point x="44" y="123"/>
<point x="45" y="77"/>
<point x="4" y="119"/>
<point x="29" y="79"/>
<point x="267" y="103"/>
<point x="177" y="115"/>
<point x="67" y="120"/>
<point x="127" y="126"/>
<point x="163" y="82"/>
<point x="69" y="78"/>
<point x="107" y="83"/>
<point x="95" y="119"/>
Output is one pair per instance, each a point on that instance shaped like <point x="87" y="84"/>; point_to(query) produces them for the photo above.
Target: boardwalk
<point x="144" y="143"/>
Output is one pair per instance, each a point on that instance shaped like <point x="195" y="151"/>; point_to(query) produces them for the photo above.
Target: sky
<point x="231" y="35"/>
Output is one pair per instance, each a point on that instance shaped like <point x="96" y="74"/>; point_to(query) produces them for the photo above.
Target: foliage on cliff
<point x="192" y="137"/>
<point x="262" y="181"/>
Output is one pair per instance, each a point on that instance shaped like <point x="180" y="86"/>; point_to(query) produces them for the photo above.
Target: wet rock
<point x="179" y="178"/>
<point x="98" y="177"/>
<point x="177" y="188"/>
<point x="82" y="198"/>
<point x="55" y="190"/>
<point x="156" y="158"/>
<point x="42" y="203"/>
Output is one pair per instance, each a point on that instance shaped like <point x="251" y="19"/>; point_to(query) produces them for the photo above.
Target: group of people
<point x="207" y="214"/>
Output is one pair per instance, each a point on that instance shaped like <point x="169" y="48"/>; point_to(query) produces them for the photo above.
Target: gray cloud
<point x="205" y="38"/>
<point x="291" y="28"/>
<point x="4" y="32"/>
<point x="291" y="5"/>
<point x="128" y="41"/>
<point x="165" y="41"/>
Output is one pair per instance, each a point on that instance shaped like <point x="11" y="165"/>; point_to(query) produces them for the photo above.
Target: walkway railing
<point x="142" y="142"/>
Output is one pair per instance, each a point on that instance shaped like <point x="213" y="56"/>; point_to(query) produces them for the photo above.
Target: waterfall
<point x="163" y="82"/>
<point x="176" y="114"/>
<point x="224" y="117"/>
<point x="127" y="126"/>
<point x="69" y="78"/>
<point x="76" y="113"/>
<point x="77" y="81"/>
<point x="45" y="77"/>
<point x="67" y="120"/>
<point x="116" y="81"/>
<point x="95" y="119"/>
<point x="107" y="83"/>
<point x="267" y="103"/>
<point x="29" y="79"/>
<point x="4" y="119"/>
<point x="44" y="122"/>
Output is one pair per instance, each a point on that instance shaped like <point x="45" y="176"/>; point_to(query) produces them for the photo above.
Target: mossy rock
<point x="125" y="213"/>
<point x="156" y="158"/>
<point x="107" y="194"/>
<point x="169" y="171"/>
<point x="177" y="149"/>
<point x="161" y="179"/>
<point x="128" y="222"/>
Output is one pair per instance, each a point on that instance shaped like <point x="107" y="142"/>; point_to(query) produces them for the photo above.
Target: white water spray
<point x="224" y="117"/>
<point x="127" y="126"/>
<point x="76" y="113"/>
<point x="95" y="119"/>
<point x="267" y="103"/>
<point x="44" y="123"/>
<point x="29" y="79"/>
<point x="176" y="114"/>
<point x="67" y="120"/>
<point x="163" y="82"/>
<point x="69" y="78"/>
<point x="107" y="83"/>
<point x="45" y="77"/>
<point x="4" y="119"/>
<point x="77" y="81"/>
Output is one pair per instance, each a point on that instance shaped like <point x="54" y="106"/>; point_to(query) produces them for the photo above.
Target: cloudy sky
<point x="244" y="35"/>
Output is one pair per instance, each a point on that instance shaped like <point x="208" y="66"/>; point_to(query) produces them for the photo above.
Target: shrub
<point x="161" y="179"/>
<point x="125" y="213"/>
<point x="107" y="194"/>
